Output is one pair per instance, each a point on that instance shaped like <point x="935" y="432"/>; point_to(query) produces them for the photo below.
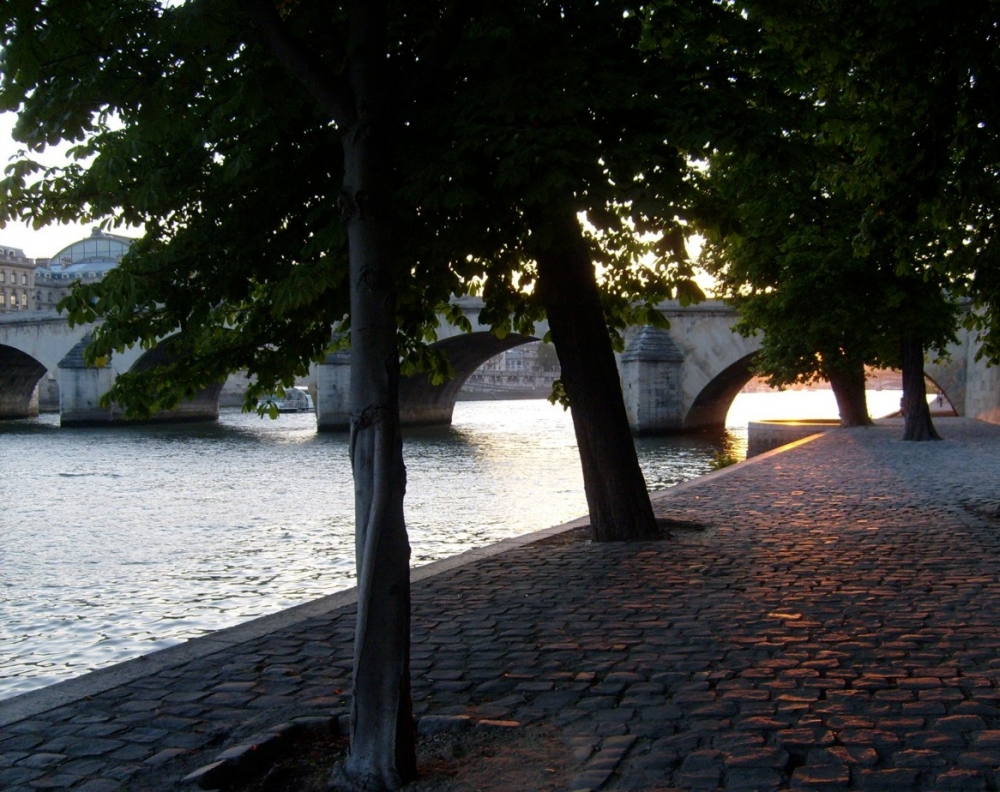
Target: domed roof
<point x="96" y="254"/>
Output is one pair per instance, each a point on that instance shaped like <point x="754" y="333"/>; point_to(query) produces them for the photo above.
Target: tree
<point x="849" y="69"/>
<point x="241" y="148"/>
<point x="523" y="138"/>
<point x="562" y="116"/>
<point x="783" y="249"/>
<point x="891" y="125"/>
<point x="382" y="751"/>
<point x="782" y="257"/>
<point x="546" y="358"/>
<point x="382" y="746"/>
<point x="916" y="88"/>
<point x="925" y="84"/>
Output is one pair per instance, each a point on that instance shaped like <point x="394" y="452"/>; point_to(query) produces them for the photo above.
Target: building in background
<point x="37" y="285"/>
<point x="17" y="280"/>
<point x="524" y="372"/>
<point x="86" y="260"/>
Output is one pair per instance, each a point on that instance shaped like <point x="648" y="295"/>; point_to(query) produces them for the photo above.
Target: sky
<point x="45" y="242"/>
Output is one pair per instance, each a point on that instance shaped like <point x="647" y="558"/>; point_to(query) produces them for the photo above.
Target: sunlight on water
<point x="792" y="404"/>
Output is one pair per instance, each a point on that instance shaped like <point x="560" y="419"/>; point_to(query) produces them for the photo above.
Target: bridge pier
<point x="80" y="390"/>
<point x="333" y="393"/>
<point x="651" y="369"/>
<point x="421" y="403"/>
<point x="13" y="405"/>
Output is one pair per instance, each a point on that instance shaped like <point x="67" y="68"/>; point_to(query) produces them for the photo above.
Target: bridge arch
<point x="422" y="403"/>
<point x="711" y="405"/>
<point x="82" y="388"/>
<point x="19" y="375"/>
<point x="201" y="406"/>
<point x="946" y="390"/>
<point x="950" y="375"/>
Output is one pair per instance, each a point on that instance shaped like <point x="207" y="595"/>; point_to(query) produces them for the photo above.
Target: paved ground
<point x="836" y="625"/>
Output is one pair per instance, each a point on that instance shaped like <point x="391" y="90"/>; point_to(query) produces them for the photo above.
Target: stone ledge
<point x="764" y="436"/>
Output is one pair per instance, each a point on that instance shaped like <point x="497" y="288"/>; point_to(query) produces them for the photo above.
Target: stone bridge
<point x="682" y="379"/>
<point x="37" y="343"/>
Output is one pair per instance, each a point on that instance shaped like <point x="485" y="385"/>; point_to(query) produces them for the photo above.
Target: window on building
<point x="24" y="299"/>
<point x="3" y="276"/>
<point x="24" y="278"/>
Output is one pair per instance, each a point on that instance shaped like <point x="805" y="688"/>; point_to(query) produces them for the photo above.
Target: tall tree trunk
<point x="382" y="753"/>
<point x="848" y="386"/>
<point x="383" y="745"/>
<point x="917" y="424"/>
<point x="617" y="497"/>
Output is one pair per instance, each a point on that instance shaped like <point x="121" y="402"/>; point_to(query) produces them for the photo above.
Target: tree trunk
<point x="383" y="749"/>
<point x="382" y="753"/>
<point x="849" y="390"/>
<point x="617" y="497"/>
<point x="916" y="412"/>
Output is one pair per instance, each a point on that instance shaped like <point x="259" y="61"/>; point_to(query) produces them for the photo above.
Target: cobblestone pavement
<point x="835" y="624"/>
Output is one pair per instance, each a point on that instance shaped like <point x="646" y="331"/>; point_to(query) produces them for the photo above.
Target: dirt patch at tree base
<point x="584" y="533"/>
<point x="478" y="760"/>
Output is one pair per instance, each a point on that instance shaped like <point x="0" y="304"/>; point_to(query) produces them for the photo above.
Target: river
<point x="117" y="542"/>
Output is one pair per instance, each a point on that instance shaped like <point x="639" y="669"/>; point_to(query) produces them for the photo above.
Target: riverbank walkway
<point x="825" y="617"/>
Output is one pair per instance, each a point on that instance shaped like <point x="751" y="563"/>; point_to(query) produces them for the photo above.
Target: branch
<point x="330" y="91"/>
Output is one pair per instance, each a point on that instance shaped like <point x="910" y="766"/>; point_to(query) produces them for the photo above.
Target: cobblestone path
<point x="832" y="623"/>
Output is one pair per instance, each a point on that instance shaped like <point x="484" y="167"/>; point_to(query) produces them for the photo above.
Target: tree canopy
<point x="188" y="125"/>
<point x="868" y="211"/>
<point x="784" y="249"/>
<point x="488" y="163"/>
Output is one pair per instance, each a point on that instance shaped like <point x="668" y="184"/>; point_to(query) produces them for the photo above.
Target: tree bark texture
<point x="917" y="424"/>
<point x="617" y="497"/>
<point x="382" y="754"/>
<point x="848" y="387"/>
